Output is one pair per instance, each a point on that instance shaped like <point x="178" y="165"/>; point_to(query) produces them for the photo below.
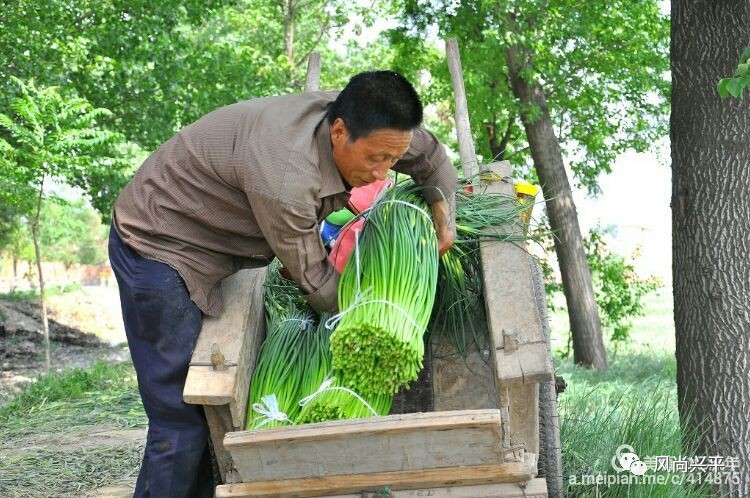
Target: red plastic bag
<point x="344" y="244"/>
<point x="364" y="197"/>
<point x="361" y="199"/>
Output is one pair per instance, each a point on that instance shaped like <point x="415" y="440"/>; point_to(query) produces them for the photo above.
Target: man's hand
<point x="445" y="241"/>
<point x="445" y="234"/>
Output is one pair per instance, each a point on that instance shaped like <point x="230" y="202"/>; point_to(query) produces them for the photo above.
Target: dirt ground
<point x="83" y="328"/>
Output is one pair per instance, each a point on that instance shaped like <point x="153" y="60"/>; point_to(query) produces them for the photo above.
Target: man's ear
<point x="339" y="132"/>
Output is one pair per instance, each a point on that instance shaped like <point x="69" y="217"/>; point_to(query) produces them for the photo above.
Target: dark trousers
<point x="162" y="325"/>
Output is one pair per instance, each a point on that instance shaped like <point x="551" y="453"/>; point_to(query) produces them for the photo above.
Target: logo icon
<point x="625" y="458"/>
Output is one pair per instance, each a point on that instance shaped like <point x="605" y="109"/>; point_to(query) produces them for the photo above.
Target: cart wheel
<point x="550" y="456"/>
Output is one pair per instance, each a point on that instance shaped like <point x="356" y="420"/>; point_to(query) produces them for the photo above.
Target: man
<point x="241" y="185"/>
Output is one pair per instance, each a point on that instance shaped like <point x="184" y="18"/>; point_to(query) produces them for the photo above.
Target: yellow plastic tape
<point x="527" y="189"/>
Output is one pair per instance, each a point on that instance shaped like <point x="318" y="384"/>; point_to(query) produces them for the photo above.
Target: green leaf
<point x="5" y="148"/>
<point x="53" y="136"/>
<point x="722" y="88"/>
<point x="745" y="56"/>
<point x="735" y="86"/>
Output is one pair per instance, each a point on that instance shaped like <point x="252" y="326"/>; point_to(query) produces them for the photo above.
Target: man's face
<point x="369" y="158"/>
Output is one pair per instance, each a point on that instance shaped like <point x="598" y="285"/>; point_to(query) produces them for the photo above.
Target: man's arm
<point x="428" y="164"/>
<point x="445" y="234"/>
<point x="291" y="229"/>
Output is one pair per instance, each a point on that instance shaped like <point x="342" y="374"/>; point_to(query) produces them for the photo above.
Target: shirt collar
<point x="331" y="181"/>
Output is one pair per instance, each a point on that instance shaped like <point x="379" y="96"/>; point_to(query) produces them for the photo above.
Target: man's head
<point x="371" y="125"/>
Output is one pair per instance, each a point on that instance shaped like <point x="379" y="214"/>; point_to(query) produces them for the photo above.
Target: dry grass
<point x="71" y="433"/>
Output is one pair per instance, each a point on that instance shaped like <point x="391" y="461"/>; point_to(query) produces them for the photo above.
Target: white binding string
<point x="356" y="253"/>
<point x="303" y="323"/>
<point x="327" y="386"/>
<point x="397" y="201"/>
<point x="334" y="320"/>
<point x="268" y="409"/>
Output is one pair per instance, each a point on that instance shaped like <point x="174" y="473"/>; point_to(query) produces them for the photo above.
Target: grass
<point x="633" y="402"/>
<point x="652" y="332"/>
<point x="69" y="405"/>
<point x="69" y="385"/>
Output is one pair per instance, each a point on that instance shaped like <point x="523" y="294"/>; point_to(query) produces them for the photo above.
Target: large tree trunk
<point x="585" y="325"/>
<point x="711" y="230"/>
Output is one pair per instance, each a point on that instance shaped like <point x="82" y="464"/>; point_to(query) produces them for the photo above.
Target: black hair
<point x="375" y="100"/>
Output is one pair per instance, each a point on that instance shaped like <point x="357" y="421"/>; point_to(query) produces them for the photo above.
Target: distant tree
<point x="53" y="138"/>
<point x="11" y="233"/>
<point x="9" y="222"/>
<point x="551" y="83"/>
<point x="711" y="232"/>
<point x="118" y="55"/>
<point x="71" y="233"/>
<point x="618" y="287"/>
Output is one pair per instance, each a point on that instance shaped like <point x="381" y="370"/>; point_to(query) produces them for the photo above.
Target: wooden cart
<point x="481" y="438"/>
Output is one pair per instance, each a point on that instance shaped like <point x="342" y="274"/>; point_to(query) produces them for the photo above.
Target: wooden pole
<point x="463" y="129"/>
<point x="312" y="81"/>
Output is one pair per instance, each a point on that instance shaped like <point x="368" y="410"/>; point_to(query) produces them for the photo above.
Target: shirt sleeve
<point x="428" y="164"/>
<point x="291" y="229"/>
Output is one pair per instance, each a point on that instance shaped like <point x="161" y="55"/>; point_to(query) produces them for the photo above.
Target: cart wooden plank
<point x="397" y="480"/>
<point x="514" y="320"/>
<point x="518" y="347"/>
<point x="224" y="358"/>
<point x="528" y="364"/>
<point x="312" y="80"/>
<point x="410" y="442"/>
<point x="463" y="129"/>
<point x="224" y="355"/>
<point x="462" y="383"/>
<point x="535" y="488"/>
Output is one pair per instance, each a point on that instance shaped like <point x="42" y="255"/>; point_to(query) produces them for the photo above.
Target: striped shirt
<point x="248" y="182"/>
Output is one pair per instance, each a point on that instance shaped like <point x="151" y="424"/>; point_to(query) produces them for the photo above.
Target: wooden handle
<point x="463" y="128"/>
<point x="312" y="81"/>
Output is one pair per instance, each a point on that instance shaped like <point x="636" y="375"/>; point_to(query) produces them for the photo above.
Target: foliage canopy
<point x="159" y="65"/>
<point x="51" y="137"/>
<point x="602" y="65"/>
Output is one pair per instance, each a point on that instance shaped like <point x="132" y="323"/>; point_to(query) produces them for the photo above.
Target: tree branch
<point x="508" y="129"/>
<point x="326" y="26"/>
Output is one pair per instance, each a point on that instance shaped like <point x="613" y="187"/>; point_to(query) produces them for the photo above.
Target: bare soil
<point x="22" y="356"/>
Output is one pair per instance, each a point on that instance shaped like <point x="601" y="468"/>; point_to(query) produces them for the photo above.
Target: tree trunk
<point x="585" y="325"/>
<point x="291" y="7"/>
<point x="14" y="282"/>
<point x="495" y="150"/>
<point x="711" y="232"/>
<point x="38" y="254"/>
